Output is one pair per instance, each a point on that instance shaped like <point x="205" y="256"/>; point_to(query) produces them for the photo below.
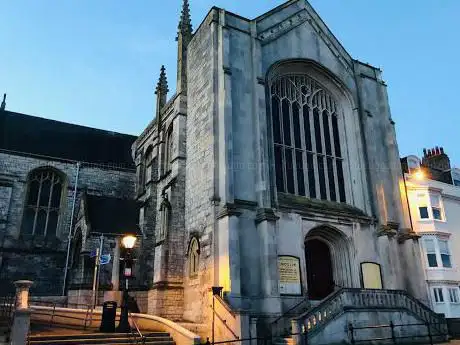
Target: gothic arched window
<point x="307" y="148"/>
<point x="194" y="257"/>
<point x="169" y="146"/>
<point x="148" y="158"/>
<point x="43" y="203"/>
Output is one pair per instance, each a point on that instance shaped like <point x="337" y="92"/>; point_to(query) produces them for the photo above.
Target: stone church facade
<point x="277" y="143"/>
<point x="273" y="172"/>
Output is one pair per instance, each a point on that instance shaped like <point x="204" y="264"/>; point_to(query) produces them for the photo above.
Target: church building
<point x="269" y="178"/>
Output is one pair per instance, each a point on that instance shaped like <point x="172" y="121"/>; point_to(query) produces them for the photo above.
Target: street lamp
<point x="128" y="242"/>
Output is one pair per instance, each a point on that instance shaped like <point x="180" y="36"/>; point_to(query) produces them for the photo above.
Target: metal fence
<point x="431" y="335"/>
<point x="393" y="337"/>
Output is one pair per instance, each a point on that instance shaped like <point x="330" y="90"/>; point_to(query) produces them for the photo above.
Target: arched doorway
<point x="328" y="257"/>
<point x="320" y="278"/>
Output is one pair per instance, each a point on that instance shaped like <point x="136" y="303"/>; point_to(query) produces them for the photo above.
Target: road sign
<point x="105" y="259"/>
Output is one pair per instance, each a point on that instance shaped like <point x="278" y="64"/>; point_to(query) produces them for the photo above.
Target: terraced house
<point x="271" y="174"/>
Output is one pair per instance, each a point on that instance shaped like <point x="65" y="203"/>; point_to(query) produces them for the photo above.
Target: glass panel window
<point x="453" y="295"/>
<point x="41" y="213"/>
<point x="430" y="250"/>
<point x="307" y="150"/>
<point x="436" y="206"/>
<point x="194" y="258"/>
<point x="438" y="295"/>
<point x="423" y="212"/>
<point x="445" y="253"/>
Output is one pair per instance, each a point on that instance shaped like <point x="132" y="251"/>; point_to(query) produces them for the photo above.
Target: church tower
<point x="160" y="157"/>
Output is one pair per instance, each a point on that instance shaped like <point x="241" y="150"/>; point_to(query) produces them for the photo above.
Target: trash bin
<point x="109" y="312"/>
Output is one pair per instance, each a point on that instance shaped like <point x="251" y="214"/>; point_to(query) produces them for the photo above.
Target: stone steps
<point x="152" y="338"/>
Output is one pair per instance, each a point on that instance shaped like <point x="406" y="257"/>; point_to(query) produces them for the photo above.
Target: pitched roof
<point x="111" y="215"/>
<point x="36" y="135"/>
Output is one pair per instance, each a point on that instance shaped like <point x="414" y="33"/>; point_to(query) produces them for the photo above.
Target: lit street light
<point x="128" y="242"/>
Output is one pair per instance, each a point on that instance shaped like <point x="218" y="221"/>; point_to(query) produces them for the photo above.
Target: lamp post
<point x="128" y="242"/>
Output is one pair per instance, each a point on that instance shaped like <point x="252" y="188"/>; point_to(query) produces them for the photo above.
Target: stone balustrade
<point x="354" y="299"/>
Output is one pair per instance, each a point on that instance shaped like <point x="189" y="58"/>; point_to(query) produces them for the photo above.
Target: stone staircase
<point x="155" y="338"/>
<point x="351" y="304"/>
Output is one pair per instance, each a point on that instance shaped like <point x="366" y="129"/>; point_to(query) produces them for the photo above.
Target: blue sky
<point x="96" y="62"/>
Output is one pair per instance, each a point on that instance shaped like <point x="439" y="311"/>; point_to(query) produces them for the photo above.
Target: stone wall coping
<point x="181" y="335"/>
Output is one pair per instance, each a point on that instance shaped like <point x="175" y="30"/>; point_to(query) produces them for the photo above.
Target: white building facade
<point x="435" y="211"/>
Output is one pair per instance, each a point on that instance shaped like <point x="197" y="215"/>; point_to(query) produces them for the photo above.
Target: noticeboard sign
<point x="289" y="273"/>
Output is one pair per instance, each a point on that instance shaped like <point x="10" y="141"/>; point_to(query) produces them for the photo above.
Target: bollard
<point x="21" y="321"/>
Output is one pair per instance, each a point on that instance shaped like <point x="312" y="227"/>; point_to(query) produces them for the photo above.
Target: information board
<point x="289" y="273"/>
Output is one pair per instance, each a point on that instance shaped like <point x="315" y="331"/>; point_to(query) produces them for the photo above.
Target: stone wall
<point x="35" y="257"/>
<point x="200" y="177"/>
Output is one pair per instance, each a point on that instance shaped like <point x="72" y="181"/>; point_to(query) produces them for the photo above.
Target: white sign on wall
<point x="289" y="273"/>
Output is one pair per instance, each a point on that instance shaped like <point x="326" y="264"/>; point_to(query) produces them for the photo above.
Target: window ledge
<point x="303" y="203"/>
<point x="446" y="269"/>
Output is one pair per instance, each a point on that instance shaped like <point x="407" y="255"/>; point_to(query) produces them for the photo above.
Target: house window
<point x="423" y="212"/>
<point x="430" y="250"/>
<point x="445" y="253"/>
<point x="194" y="257"/>
<point x="44" y="194"/>
<point x="438" y="295"/>
<point x="306" y="139"/>
<point x="422" y="202"/>
<point x="436" y="207"/>
<point x="453" y="295"/>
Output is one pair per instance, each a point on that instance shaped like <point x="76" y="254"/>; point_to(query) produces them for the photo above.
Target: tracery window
<point x="194" y="257"/>
<point x="41" y="213"/>
<point x="307" y="147"/>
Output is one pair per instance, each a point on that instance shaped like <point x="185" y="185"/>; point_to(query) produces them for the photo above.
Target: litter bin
<point x="109" y="312"/>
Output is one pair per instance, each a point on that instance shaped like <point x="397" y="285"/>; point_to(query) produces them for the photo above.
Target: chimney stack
<point x="436" y="158"/>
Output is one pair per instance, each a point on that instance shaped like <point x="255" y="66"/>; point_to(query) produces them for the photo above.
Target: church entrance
<point x="319" y="269"/>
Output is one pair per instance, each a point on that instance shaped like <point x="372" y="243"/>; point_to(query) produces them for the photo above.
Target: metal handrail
<point x="305" y="299"/>
<point x="142" y="337"/>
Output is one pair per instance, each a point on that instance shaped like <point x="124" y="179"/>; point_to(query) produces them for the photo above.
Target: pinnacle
<point x="185" y="23"/>
<point x="162" y="86"/>
<point x="3" y="105"/>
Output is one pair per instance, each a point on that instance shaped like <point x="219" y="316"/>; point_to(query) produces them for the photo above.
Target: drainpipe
<point x="69" y="238"/>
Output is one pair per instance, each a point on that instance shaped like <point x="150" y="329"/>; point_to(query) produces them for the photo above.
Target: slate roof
<point x="36" y="135"/>
<point x="111" y="215"/>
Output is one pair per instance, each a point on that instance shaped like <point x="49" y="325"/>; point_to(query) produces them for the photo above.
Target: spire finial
<point x="185" y="23"/>
<point x="162" y="86"/>
<point x="3" y="106"/>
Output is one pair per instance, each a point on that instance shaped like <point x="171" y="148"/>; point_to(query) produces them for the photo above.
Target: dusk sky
<point x="96" y="62"/>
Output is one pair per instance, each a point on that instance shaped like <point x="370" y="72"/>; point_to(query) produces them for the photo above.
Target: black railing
<point x="392" y="335"/>
<point x="282" y="324"/>
<point x="7" y="307"/>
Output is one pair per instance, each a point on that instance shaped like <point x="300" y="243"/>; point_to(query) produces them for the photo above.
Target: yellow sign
<point x="372" y="276"/>
<point x="289" y="273"/>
